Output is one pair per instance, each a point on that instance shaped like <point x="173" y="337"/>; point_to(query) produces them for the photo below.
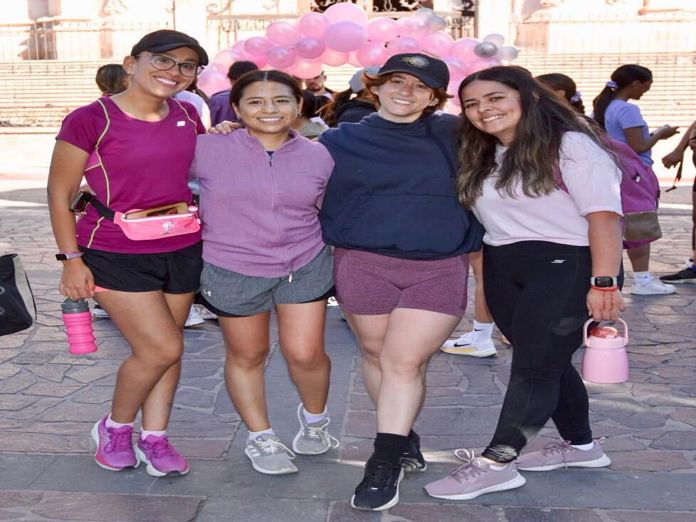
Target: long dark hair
<point x="561" y="82"/>
<point x="247" y="79"/>
<point x="329" y="112"/>
<point x="533" y="155"/>
<point x="622" y="77"/>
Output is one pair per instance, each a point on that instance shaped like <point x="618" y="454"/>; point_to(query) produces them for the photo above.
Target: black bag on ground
<point x="17" y="307"/>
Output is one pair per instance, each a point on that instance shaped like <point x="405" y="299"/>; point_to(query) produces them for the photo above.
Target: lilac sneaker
<point x="556" y="455"/>
<point x="473" y="478"/>
<point x="114" y="446"/>
<point x="160" y="456"/>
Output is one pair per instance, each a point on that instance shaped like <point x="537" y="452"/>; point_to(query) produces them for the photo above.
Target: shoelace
<point x="161" y="448"/>
<point x="320" y="432"/>
<point x="379" y="475"/>
<point x="272" y="446"/>
<point x="562" y="447"/>
<point x="470" y="469"/>
<point x="119" y="440"/>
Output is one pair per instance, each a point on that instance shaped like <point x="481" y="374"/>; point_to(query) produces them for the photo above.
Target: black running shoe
<point x="413" y="459"/>
<point x="686" y="276"/>
<point x="379" y="489"/>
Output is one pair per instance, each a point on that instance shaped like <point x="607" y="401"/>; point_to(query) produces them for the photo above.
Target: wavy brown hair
<point x="440" y="93"/>
<point x="532" y="157"/>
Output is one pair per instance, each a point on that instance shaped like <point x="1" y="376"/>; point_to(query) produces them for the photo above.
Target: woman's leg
<point x="247" y="345"/>
<point x="640" y="258"/>
<point x="370" y="331"/>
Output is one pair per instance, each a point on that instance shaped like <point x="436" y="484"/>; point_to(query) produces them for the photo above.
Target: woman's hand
<point x="77" y="281"/>
<point x="672" y="159"/>
<point x="666" y="131"/>
<point x="225" y="127"/>
<point x="605" y="304"/>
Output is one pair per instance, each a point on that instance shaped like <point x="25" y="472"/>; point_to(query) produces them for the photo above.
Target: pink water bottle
<point x="78" y="327"/>
<point x="605" y="360"/>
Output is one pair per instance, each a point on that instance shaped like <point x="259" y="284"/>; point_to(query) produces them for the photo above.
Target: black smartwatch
<point x="603" y="281"/>
<point x="66" y="256"/>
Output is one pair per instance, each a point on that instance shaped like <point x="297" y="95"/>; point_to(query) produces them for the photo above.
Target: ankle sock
<point x="390" y="447"/>
<point x="157" y="433"/>
<point x="253" y="435"/>
<point x="482" y="331"/>
<point x="313" y="418"/>
<point x="583" y="447"/>
<point x="642" y="278"/>
<point x="110" y="423"/>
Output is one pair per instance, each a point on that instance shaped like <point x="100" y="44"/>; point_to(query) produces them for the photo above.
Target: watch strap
<point x="66" y="256"/>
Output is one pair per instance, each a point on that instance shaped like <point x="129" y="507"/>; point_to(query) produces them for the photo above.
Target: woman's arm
<point x="65" y="174"/>
<point x="636" y="140"/>
<point x="674" y="157"/>
<point x="605" y="237"/>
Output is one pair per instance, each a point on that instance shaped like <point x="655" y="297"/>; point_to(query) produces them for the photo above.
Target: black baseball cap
<point x="431" y="71"/>
<point x="167" y="39"/>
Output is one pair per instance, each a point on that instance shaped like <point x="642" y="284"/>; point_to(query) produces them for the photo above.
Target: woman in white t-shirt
<point x="547" y="193"/>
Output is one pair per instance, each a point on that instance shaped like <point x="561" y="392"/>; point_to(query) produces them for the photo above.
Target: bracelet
<point x="605" y="289"/>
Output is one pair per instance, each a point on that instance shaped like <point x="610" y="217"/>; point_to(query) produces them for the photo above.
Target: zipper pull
<point x="290" y="278"/>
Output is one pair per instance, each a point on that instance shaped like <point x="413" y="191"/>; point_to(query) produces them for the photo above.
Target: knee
<point x="371" y="351"/>
<point x="308" y="360"/>
<point x="166" y="354"/>
<point x="247" y="359"/>
<point x="403" y="368"/>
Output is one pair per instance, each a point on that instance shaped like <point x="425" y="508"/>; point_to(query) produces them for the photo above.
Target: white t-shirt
<point x="593" y="181"/>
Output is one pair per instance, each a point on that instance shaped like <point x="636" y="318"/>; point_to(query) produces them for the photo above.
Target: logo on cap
<point x="416" y="61"/>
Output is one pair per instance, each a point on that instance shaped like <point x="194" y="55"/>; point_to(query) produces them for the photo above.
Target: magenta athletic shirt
<point x="133" y="164"/>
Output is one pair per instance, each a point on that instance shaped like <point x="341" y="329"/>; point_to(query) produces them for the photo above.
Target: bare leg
<point x="370" y="331"/>
<point x="481" y="312"/>
<point x="247" y="343"/>
<point x="640" y="258"/>
<point x="301" y="332"/>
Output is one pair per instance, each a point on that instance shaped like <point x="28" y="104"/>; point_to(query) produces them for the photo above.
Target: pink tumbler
<point x="78" y="327"/>
<point x="606" y="359"/>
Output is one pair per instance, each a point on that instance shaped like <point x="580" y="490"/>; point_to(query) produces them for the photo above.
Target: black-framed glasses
<point x="162" y="62"/>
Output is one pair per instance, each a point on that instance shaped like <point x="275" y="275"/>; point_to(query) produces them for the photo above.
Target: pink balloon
<point x="353" y="59"/>
<point x="210" y="82"/>
<point x="217" y="67"/>
<point x="310" y="48"/>
<point x="313" y="24"/>
<point x="372" y="54"/>
<point x="346" y="12"/>
<point x="345" y="36"/>
<point x="413" y="26"/>
<point x="261" y="60"/>
<point x="437" y="44"/>
<point x="382" y="30"/>
<point x="283" y="33"/>
<point x="281" y="57"/>
<point x="225" y="58"/>
<point x="403" y="44"/>
<point x="334" y="58"/>
<point x="480" y="65"/>
<point x="456" y="66"/>
<point x="257" y="45"/>
<point x="463" y="49"/>
<point x="307" y="69"/>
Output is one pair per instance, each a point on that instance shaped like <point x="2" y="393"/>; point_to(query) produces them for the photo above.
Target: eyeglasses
<point x="165" y="63"/>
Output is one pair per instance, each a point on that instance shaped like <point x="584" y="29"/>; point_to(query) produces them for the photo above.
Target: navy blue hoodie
<point x="392" y="191"/>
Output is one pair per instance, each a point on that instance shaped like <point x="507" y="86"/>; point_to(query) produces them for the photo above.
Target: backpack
<point x="640" y="192"/>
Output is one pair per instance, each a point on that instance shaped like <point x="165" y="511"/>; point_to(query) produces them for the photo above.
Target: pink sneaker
<point x="556" y="455"/>
<point x="160" y="456"/>
<point x="114" y="447"/>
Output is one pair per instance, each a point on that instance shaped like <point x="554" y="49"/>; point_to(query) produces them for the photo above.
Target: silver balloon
<point x="485" y="49"/>
<point x="436" y="23"/>
<point x="508" y="53"/>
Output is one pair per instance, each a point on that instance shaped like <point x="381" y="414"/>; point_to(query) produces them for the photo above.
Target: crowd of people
<point x="377" y="197"/>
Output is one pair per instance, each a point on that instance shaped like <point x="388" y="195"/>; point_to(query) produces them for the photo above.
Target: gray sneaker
<point x="313" y="439"/>
<point x="562" y="455"/>
<point x="270" y="456"/>
<point x="473" y="478"/>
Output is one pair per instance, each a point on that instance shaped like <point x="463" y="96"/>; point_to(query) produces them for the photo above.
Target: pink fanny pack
<point x="151" y="227"/>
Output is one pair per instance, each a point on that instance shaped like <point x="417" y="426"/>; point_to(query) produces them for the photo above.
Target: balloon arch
<point x="344" y="35"/>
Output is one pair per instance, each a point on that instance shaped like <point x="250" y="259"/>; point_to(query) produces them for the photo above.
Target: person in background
<point x="317" y="87"/>
<point x="552" y="258"/>
<point x="624" y="122"/>
<point x="134" y="148"/>
<point x="111" y="79"/>
<point x="353" y="104"/>
<point x="219" y="103"/>
<point x="305" y="124"/>
<point x="565" y="89"/>
<point x="196" y="98"/>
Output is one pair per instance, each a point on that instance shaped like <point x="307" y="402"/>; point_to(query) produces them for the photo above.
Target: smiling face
<point x="267" y="109"/>
<point x="493" y="108"/>
<point x="162" y="84"/>
<point x="403" y="98"/>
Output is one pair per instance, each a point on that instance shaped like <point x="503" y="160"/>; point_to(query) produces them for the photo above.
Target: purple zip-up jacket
<point x="259" y="212"/>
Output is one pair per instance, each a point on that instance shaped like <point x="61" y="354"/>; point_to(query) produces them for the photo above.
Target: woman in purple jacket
<point x="261" y="187"/>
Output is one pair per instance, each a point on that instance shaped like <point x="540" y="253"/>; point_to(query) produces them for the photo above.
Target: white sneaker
<point x="194" y="318"/>
<point x="99" y="312"/>
<point x="204" y="312"/>
<point x="467" y="344"/>
<point x="653" y="287"/>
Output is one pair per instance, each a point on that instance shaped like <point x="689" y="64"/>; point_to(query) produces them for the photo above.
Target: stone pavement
<point x="49" y="400"/>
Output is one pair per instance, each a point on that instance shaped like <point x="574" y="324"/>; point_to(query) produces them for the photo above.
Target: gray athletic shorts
<point x="232" y="294"/>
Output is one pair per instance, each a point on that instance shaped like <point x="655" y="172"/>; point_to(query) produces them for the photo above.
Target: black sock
<point x="390" y="447"/>
<point x="413" y="436"/>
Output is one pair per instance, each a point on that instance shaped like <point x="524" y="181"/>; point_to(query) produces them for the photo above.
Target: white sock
<point x="113" y="424"/>
<point x="642" y="278"/>
<point x="313" y="418"/>
<point x="583" y="447"/>
<point x="482" y="331"/>
<point x="690" y="263"/>
<point x="144" y="434"/>
<point x="253" y="435"/>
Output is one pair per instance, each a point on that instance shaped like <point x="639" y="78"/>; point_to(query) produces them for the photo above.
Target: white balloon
<point x="508" y="53"/>
<point x="424" y="11"/>
<point x="495" y="38"/>
<point x="485" y="49"/>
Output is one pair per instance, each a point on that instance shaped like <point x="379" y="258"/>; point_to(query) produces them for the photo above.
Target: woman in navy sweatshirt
<point x="401" y="238"/>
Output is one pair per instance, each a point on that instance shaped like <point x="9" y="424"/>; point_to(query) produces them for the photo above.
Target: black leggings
<point x="536" y="292"/>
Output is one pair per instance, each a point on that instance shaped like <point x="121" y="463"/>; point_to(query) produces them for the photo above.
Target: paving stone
<point x="551" y="515"/>
<point x="15" y="402"/>
<point x="649" y="460"/>
<point x="273" y="509"/>
<point x="340" y="511"/>
<point x="30" y="411"/>
<point x="651" y="516"/>
<point x="675" y="440"/>
<point x="18" y="382"/>
<point x="686" y="415"/>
